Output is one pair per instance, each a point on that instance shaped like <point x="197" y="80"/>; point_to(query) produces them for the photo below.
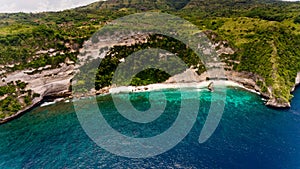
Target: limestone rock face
<point x="186" y="77"/>
<point x="47" y="83"/>
<point x="249" y="81"/>
<point x="298" y="79"/>
<point x="55" y="89"/>
<point x="276" y="103"/>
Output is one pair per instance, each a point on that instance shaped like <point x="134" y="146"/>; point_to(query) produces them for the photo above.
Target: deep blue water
<point x="250" y="135"/>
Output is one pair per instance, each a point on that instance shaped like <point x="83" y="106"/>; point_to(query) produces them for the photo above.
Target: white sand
<point x="160" y="86"/>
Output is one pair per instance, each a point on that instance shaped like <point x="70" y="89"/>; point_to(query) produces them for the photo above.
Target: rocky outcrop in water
<point x="210" y="87"/>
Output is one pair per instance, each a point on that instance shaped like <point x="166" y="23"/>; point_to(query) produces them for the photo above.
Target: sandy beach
<point x="159" y="86"/>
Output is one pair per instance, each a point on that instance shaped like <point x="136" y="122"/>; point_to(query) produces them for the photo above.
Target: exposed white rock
<point x="68" y="61"/>
<point x="3" y="97"/>
<point x="186" y="77"/>
<point x="275" y="103"/>
<point x="297" y="81"/>
<point x="122" y="60"/>
<point x="2" y="72"/>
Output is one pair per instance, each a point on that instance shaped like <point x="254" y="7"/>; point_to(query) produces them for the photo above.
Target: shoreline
<point x="130" y="89"/>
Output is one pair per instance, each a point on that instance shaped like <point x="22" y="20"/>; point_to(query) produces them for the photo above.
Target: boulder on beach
<point x="211" y="86"/>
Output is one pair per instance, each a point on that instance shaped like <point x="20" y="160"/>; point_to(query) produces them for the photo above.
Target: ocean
<point x="249" y="135"/>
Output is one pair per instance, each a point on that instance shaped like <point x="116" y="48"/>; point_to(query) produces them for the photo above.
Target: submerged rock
<point x="211" y="86"/>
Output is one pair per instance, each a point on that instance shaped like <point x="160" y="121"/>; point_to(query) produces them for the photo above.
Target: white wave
<point x="47" y="104"/>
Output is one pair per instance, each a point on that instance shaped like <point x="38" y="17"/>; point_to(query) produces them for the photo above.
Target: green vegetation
<point x="7" y="90"/>
<point x="9" y="106"/>
<point x="14" y="97"/>
<point x="149" y="76"/>
<point x="297" y="20"/>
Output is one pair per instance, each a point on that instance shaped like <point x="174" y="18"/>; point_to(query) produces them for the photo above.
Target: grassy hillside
<point x="265" y="35"/>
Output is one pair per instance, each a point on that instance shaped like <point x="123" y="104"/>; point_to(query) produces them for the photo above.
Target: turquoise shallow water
<point x="250" y="135"/>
